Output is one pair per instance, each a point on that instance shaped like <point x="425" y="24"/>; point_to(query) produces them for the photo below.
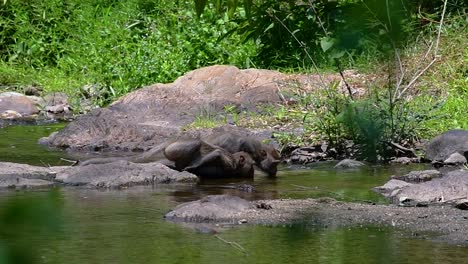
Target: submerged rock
<point x="213" y="208"/>
<point x="349" y="164"/>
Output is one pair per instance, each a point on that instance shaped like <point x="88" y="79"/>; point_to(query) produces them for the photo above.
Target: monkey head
<point x="244" y="164"/>
<point x="270" y="158"/>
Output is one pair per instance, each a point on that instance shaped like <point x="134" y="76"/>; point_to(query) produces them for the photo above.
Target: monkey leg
<point x="215" y="158"/>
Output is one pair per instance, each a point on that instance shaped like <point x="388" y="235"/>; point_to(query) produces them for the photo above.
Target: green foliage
<point x="118" y="45"/>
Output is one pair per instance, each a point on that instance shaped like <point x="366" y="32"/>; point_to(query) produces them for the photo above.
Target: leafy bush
<point x="118" y="45"/>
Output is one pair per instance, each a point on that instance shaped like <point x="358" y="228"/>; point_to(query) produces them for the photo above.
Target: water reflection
<point x="71" y="225"/>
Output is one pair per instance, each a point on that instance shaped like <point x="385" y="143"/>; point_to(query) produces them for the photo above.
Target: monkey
<point x="206" y="160"/>
<point x="266" y="157"/>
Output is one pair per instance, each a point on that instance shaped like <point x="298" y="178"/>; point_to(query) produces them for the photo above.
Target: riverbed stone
<point x="391" y="188"/>
<point x="19" y="103"/>
<point x="419" y="176"/>
<point x="449" y="189"/>
<point x="441" y="147"/>
<point x="212" y="208"/>
<point x="14" y="175"/>
<point x="455" y="159"/>
<point x="122" y="174"/>
<point x="349" y="164"/>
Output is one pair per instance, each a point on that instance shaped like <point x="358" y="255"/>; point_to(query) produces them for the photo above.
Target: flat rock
<point x="419" y="176"/>
<point x="14" y="175"/>
<point x="10" y="169"/>
<point x="213" y="208"/>
<point x="449" y="189"/>
<point x="121" y="173"/>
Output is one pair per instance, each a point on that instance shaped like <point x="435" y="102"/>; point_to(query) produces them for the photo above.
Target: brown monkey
<point x="206" y="160"/>
<point x="266" y="157"/>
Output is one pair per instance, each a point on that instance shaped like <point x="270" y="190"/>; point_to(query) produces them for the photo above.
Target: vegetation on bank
<point x="417" y="50"/>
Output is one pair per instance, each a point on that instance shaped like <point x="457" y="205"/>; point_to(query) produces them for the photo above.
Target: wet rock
<point x="349" y="164"/>
<point x="405" y="160"/>
<point x="419" y="176"/>
<point x="14" y="175"/>
<point x="449" y="189"/>
<point x="123" y="173"/>
<point x="213" y="208"/>
<point x="18" y="103"/>
<point x="455" y="159"/>
<point x="307" y="155"/>
<point x="391" y="188"/>
<point x="441" y="147"/>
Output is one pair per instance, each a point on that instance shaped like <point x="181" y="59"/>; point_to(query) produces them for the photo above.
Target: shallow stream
<point x="77" y="225"/>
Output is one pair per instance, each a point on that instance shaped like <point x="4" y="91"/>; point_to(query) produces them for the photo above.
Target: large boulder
<point x="123" y="173"/>
<point x="443" y="146"/>
<point x="151" y="115"/>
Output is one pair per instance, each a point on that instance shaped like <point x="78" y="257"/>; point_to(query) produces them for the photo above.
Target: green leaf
<point x="269" y="27"/>
<point x="326" y="43"/>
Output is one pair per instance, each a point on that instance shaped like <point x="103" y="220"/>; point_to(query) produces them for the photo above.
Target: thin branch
<point x="440" y="29"/>
<point x="233" y="244"/>
<point x="303" y="47"/>
<point x="436" y="49"/>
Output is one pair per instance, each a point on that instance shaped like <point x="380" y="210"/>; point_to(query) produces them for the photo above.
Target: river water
<point x="78" y="225"/>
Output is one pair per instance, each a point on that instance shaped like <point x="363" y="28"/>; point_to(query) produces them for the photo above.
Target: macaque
<point x="182" y="153"/>
<point x="206" y="160"/>
<point x="266" y="157"/>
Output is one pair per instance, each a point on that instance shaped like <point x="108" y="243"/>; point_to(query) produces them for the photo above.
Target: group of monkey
<point x="216" y="156"/>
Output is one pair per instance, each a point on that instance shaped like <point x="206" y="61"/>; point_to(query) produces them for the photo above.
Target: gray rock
<point x="455" y="159"/>
<point x="9" y="169"/>
<point x="213" y="208"/>
<point x="441" y="147"/>
<point x="448" y="189"/>
<point x="18" y="103"/>
<point x="349" y="164"/>
<point x="391" y="188"/>
<point x="13" y="175"/>
<point x="123" y="173"/>
<point x="307" y="155"/>
<point x="419" y="176"/>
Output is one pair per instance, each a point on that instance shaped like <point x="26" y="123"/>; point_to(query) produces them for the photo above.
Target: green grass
<point x="118" y="45"/>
